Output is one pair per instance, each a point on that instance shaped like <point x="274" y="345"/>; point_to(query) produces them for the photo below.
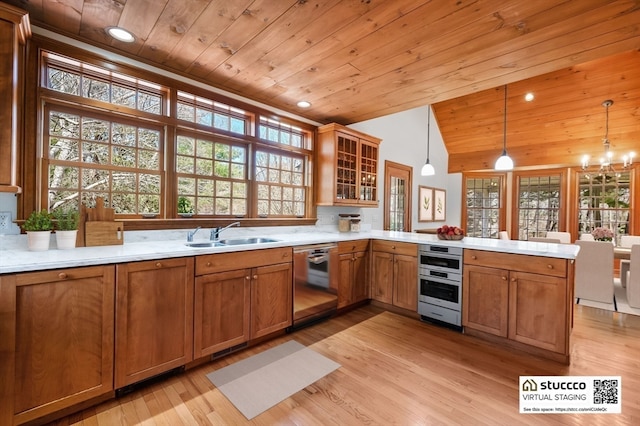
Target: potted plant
<point x="38" y="227"/>
<point x="185" y="208"/>
<point x="66" y="228"/>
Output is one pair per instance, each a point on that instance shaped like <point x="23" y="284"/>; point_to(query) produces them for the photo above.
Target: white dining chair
<point x="626" y="241"/>
<point x="544" y="240"/>
<point x="594" y="272"/>
<point x="503" y="235"/>
<point x="587" y="237"/>
<point x="564" y="237"/>
<point x="633" y="278"/>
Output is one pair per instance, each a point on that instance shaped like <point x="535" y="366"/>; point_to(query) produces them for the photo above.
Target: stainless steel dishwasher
<point x="315" y="286"/>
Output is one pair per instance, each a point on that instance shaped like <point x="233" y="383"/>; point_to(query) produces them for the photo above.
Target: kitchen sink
<point x="239" y="241"/>
<point x="205" y="244"/>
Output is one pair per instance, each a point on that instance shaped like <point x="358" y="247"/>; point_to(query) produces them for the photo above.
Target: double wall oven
<point x="440" y="284"/>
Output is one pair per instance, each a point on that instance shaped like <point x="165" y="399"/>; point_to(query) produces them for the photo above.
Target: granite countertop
<point x="152" y="245"/>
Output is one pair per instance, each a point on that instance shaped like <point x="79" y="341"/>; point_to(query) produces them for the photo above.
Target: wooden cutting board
<point x="103" y="233"/>
<point x="98" y="226"/>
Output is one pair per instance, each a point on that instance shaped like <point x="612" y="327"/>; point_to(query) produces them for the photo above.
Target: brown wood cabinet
<point x="57" y="342"/>
<point x="154" y="318"/>
<point x="525" y="299"/>
<point x="14" y="32"/>
<point x="353" y="283"/>
<point x="233" y="306"/>
<point x="221" y="311"/>
<point x="394" y="276"/>
<point x="347" y="167"/>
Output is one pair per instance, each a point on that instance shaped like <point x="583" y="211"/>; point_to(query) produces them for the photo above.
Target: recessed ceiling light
<point x="304" y="104"/>
<point x="121" y="34"/>
<point x="529" y="97"/>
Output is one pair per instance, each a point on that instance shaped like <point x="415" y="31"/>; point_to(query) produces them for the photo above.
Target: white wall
<point x="404" y="140"/>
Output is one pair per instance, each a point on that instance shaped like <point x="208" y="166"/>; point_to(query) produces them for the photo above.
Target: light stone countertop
<point x="153" y="245"/>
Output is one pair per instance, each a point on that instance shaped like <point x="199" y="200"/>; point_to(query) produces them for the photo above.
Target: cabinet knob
<point x="474" y="257"/>
<point x="393" y="247"/>
<point x="504" y="278"/>
<point x="208" y="263"/>
<point x="550" y="266"/>
<point x="255" y="277"/>
<point x="513" y="280"/>
<point x="248" y="278"/>
<point x="62" y="276"/>
<point x="158" y="265"/>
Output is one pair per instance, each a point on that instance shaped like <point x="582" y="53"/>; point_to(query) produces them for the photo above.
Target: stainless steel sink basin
<point x="205" y="244"/>
<point x="238" y="241"/>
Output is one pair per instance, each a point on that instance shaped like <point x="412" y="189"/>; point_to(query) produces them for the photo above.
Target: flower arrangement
<point x="602" y="234"/>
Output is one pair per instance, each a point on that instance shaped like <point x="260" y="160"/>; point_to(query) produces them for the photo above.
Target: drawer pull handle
<point x="550" y="266"/>
<point x="62" y="276"/>
<point x="474" y="257"/>
<point x="208" y="263"/>
<point x="393" y="247"/>
<point x="158" y="265"/>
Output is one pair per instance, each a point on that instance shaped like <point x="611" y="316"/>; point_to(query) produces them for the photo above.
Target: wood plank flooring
<point x="396" y="370"/>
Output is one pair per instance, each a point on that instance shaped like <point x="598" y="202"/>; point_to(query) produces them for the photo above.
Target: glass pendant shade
<point x="427" y="170"/>
<point x="504" y="162"/>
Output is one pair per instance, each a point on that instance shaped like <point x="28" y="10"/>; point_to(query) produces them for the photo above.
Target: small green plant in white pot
<point x="66" y="228"/>
<point x="38" y="227"/>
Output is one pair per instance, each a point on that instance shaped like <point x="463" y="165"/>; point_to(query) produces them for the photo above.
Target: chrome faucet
<point x="215" y="232"/>
<point x="191" y="234"/>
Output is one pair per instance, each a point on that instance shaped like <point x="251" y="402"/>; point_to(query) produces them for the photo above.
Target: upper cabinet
<point x="14" y="32"/>
<point x="347" y="167"/>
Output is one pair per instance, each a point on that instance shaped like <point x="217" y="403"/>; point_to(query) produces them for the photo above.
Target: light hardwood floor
<point x="397" y="370"/>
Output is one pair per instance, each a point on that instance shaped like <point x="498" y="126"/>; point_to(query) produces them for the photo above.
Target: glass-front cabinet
<point x="347" y="171"/>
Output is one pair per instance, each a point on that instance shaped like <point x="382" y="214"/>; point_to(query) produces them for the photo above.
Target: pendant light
<point x="504" y="162"/>
<point x="427" y="169"/>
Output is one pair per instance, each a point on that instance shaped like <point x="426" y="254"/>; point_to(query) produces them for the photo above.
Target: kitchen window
<point x="484" y="210"/>
<point x="118" y="136"/>
<point x="604" y="201"/>
<point x="539" y="203"/>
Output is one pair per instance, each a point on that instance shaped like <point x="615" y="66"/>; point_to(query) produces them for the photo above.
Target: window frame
<point x="515" y="211"/>
<point x="502" y="209"/>
<point x="34" y="195"/>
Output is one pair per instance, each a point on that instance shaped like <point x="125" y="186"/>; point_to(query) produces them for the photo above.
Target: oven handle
<point x="318" y="258"/>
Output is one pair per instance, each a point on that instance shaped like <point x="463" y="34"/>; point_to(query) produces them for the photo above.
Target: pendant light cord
<point x="504" y="135"/>
<point x="428" y="129"/>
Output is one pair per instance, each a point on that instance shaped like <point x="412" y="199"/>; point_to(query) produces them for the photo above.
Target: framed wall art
<point x="425" y="204"/>
<point x="439" y="204"/>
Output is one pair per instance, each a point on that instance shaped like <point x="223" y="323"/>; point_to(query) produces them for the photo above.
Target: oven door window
<point x="438" y="290"/>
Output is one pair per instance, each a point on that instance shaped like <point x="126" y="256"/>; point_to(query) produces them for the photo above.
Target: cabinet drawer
<point x="220" y="262"/>
<point x="517" y="262"/>
<point x="442" y="314"/>
<point x="395" y="247"/>
<point x="352" y="246"/>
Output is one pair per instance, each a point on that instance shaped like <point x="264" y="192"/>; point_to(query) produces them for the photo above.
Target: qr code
<point x="605" y="391"/>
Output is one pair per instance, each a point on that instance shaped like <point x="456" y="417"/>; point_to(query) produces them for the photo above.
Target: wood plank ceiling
<point x="360" y="59"/>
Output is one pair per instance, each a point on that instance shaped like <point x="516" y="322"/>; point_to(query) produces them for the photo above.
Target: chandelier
<point x="606" y="162"/>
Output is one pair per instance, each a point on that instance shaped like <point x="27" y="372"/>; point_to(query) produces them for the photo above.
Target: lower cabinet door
<point x="538" y="311"/>
<point x="485" y="299"/>
<point x="221" y="311"/>
<point x="271" y="299"/>
<point x="382" y="277"/>
<point x="405" y="286"/>
<point x="56" y="344"/>
<point x="154" y="318"/>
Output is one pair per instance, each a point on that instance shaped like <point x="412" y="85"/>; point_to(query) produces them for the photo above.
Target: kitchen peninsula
<point x="515" y="292"/>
